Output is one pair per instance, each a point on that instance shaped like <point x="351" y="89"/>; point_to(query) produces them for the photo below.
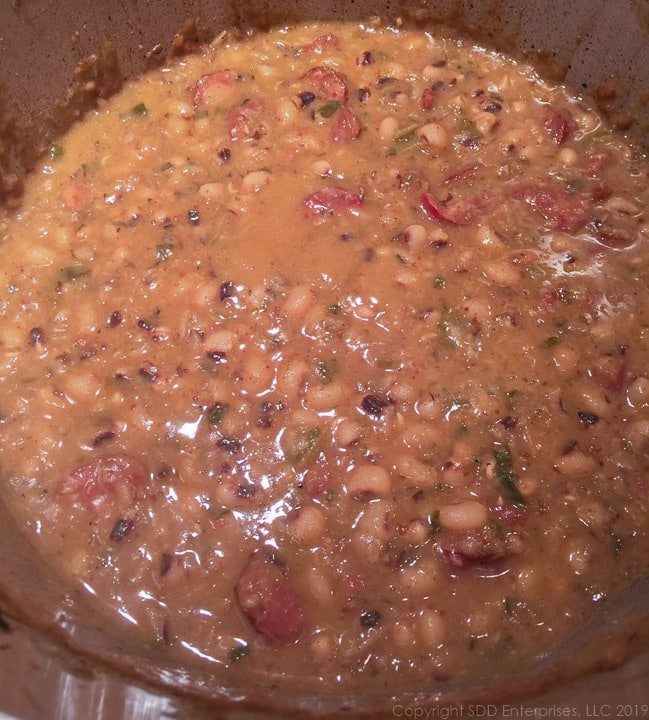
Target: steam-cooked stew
<point x="324" y="356"/>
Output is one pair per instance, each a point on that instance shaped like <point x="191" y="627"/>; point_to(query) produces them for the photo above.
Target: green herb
<point x="89" y="168"/>
<point x="217" y="413"/>
<point x="325" y="370"/>
<point x="405" y="133"/>
<point x="238" y="652"/>
<point x="329" y="108"/>
<point x="401" y="259"/>
<point x="166" y="166"/>
<point x="334" y="309"/>
<point x="72" y="273"/>
<point x="139" y="110"/>
<point x="164" y="251"/>
<point x="551" y="341"/>
<point x="439" y="282"/>
<point x="506" y="475"/>
<point x="306" y="447"/>
<point x="403" y="146"/>
<point x="468" y="130"/>
<point x="56" y="151"/>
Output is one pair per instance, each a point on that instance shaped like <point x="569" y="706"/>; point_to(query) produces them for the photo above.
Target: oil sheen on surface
<point x="324" y="356"/>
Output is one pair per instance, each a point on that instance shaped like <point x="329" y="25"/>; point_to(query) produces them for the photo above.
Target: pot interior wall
<point x="600" y="46"/>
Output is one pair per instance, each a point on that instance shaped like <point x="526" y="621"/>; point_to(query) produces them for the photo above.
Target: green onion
<point x="56" y="151"/>
<point x="217" y="413"/>
<point x="325" y="370"/>
<point x="139" y="110"/>
<point x="72" y="273"/>
<point x="305" y="448"/>
<point x="329" y="108"/>
<point x="506" y="475"/>
<point x="406" y="132"/>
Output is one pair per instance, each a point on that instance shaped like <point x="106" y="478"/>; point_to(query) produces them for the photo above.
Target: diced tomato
<point x="610" y="371"/>
<point x="107" y="481"/>
<point x="241" y="120"/>
<point x="438" y="210"/>
<point x="73" y="195"/>
<point x="269" y="600"/>
<point x="331" y="83"/>
<point x="428" y="99"/>
<point x="559" y="126"/>
<point x="213" y="88"/>
<point x="348" y="126"/>
<point x="320" y="44"/>
<point x="564" y="210"/>
<point x="332" y="199"/>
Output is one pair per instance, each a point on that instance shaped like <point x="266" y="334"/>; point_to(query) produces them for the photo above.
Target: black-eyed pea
<point x="322" y="645"/>
<point x="376" y="520"/>
<point x="433" y="73"/>
<point x="287" y="111"/>
<point x="431" y="627"/>
<point x="501" y="272"/>
<point x="592" y="398"/>
<point x="322" y="168"/>
<point x="488" y="240"/>
<point x="413" y="470"/>
<point x="415" y="532"/>
<point x="81" y="387"/>
<point x="211" y="191"/>
<point x="326" y="397"/>
<point x="387" y="129"/>
<point x="575" y="463"/>
<point x="416" y="237"/>
<point x="434" y="135"/>
<point x="255" y="180"/>
<point x="222" y="341"/>
<point x="408" y="278"/>
<point x="637" y="434"/>
<point x="403" y="633"/>
<point x="455" y="474"/>
<point x="366" y="546"/>
<point x="485" y="122"/>
<point x="567" y="157"/>
<point x="369" y="480"/>
<point x="638" y="392"/>
<point x="419" y="436"/>
<point x="320" y="583"/>
<point x="292" y="378"/>
<point x="463" y="516"/>
<point x="429" y="409"/>
<point x="419" y="579"/>
<point x="579" y="557"/>
<point x="308" y="525"/>
<point x="347" y="432"/>
<point x="565" y="358"/>
<point x="257" y="375"/>
<point x="592" y="512"/>
<point x="402" y="392"/>
<point x="298" y="301"/>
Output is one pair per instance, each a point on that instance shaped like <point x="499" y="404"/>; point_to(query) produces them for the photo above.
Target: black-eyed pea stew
<point x="324" y="356"/>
